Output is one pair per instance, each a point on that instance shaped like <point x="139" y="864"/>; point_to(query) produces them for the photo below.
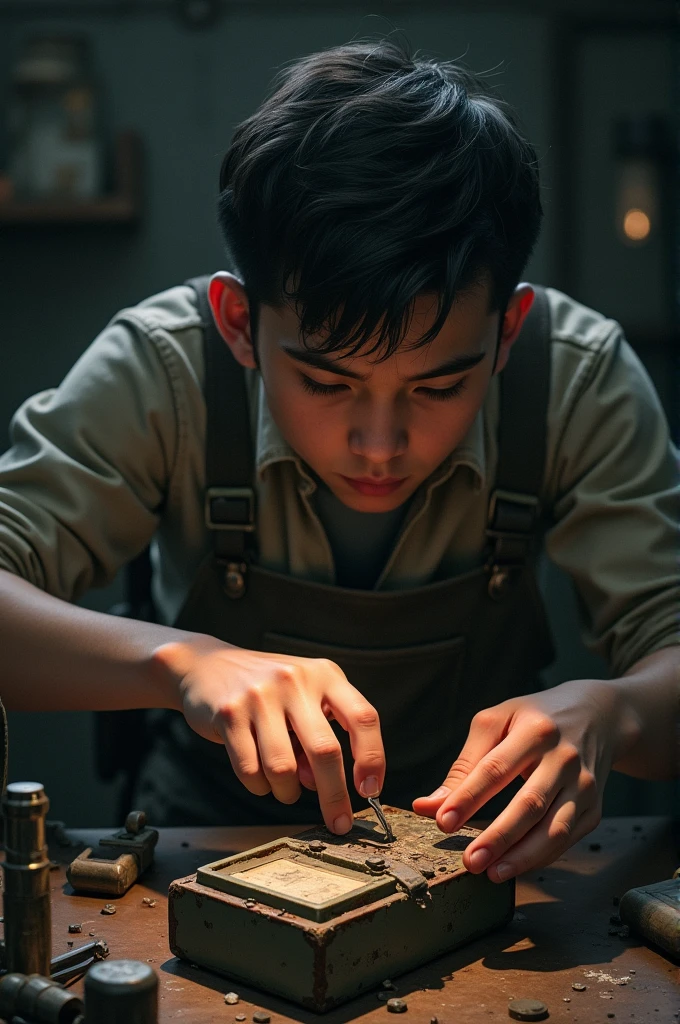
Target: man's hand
<point x="271" y="711"/>
<point x="563" y="742"/>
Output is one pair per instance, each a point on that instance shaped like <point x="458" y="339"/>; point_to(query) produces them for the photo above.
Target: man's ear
<point x="516" y="313"/>
<point x="231" y="312"/>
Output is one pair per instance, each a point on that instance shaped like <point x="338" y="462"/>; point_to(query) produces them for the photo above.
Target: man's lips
<point x="374" y="486"/>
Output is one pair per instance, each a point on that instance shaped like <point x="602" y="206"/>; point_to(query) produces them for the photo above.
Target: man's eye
<point x="443" y="394"/>
<point x="313" y="387"/>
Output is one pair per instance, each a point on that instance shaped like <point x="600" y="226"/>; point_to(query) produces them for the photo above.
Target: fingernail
<point x="342" y="824"/>
<point x="370" y="787"/>
<point x="450" y="821"/>
<point x="479" y="859"/>
<point x="504" y="871"/>
<point x="438" y="793"/>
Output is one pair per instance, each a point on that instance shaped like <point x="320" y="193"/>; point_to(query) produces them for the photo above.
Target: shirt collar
<point x="272" y="447"/>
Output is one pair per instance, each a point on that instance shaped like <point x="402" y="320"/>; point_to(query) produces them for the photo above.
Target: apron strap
<point x="229" y="491"/>
<point x="515" y="504"/>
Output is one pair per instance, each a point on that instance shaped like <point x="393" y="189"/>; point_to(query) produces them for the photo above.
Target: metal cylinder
<point x="37" y="999"/>
<point x="121" y="992"/>
<point x="27" y="909"/>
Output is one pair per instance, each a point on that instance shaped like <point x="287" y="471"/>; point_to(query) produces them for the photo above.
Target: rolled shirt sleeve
<point x="615" y="494"/>
<point x="83" y="484"/>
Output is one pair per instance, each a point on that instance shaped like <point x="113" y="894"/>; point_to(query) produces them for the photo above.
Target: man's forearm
<point x="58" y="657"/>
<point x="651" y="688"/>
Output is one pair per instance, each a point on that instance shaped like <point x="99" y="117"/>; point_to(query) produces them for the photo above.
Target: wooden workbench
<point x="559" y="935"/>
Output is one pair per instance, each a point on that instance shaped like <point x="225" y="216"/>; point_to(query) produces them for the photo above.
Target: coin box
<point x="321" y="918"/>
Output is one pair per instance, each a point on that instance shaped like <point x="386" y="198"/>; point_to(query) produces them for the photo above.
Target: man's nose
<point x="378" y="436"/>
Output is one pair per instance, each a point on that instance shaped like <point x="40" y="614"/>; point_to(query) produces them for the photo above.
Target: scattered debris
<point x="388" y="983"/>
<point x="92" y="933"/>
<point x="611" y="1014"/>
<point x="578" y="986"/>
<point x="150" y="960"/>
<point x="396" y="1006"/>
<point x="519" y="916"/>
<point x="383" y="995"/>
<point x="73" y="928"/>
<point x="240" y="1017"/>
<point x="615" y="919"/>
<point x="54" y="865"/>
<point x="261" y="1017"/>
<point x="624" y="931"/>
<point x="108" y="908"/>
<point x="433" y="1020"/>
<point x="316" y="846"/>
<point x="148" y="902"/>
<point x="232" y="998"/>
<point x="70" y="942"/>
<point x="606" y="995"/>
<point x="595" y="847"/>
<point x="566" y="999"/>
<point x="609" y="978"/>
<point x="249" y="903"/>
<point x="527" y="1009"/>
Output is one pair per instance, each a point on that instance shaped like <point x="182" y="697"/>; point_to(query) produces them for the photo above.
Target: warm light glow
<point x="636" y="225"/>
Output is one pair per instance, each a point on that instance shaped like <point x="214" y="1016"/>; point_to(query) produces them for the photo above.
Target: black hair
<point x="369" y="177"/>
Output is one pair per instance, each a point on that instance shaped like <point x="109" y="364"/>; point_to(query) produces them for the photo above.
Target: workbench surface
<point x="559" y="935"/>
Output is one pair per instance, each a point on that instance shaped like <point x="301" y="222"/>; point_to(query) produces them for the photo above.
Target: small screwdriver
<point x="375" y="804"/>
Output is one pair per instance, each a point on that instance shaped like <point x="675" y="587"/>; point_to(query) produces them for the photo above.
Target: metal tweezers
<point x="375" y="804"/>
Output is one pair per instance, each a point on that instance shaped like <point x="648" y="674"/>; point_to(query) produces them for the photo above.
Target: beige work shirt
<point x="114" y="457"/>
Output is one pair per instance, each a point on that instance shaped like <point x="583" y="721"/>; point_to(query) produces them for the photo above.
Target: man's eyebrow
<point x="456" y="365"/>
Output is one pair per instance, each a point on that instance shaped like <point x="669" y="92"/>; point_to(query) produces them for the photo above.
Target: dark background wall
<point x="568" y="69"/>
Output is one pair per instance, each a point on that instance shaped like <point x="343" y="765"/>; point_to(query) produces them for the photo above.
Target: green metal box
<point x="321" y="918"/>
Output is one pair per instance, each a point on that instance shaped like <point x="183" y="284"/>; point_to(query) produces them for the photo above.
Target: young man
<point x="355" y="589"/>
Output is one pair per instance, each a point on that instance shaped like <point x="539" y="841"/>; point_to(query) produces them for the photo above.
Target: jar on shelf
<point x="55" y="150"/>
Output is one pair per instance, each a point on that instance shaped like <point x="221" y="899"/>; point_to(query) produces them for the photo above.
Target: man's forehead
<point x="469" y="329"/>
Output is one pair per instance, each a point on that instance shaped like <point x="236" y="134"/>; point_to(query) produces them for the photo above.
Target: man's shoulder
<point x="577" y="326"/>
<point x="174" y="309"/>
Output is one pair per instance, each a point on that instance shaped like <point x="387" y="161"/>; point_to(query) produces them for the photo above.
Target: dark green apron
<point x="427" y="658"/>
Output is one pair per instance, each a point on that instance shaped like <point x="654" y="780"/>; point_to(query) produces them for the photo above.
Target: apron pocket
<point x="415" y="690"/>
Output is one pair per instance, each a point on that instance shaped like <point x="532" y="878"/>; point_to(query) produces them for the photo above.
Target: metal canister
<point x="27" y="909"/>
<point x="37" y="999"/>
<point x="121" y="992"/>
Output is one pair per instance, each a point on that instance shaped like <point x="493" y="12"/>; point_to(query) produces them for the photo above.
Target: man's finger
<point x="361" y="721"/>
<point x="526" y="809"/>
<point x="305" y="773"/>
<point x="565" y="823"/>
<point x="277" y="758"/>
<point x="243" y="754"/>
<point x="493" y="772"/>
<point x="324" y="756"/>
<point x="486" y="731"/>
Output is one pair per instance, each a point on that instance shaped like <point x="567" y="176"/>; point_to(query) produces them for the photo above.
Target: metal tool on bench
<point x="37" y="999"/>
<point x="27" y="907"/>
<point x="121" y="992"/>
<point x="113" y="876"/>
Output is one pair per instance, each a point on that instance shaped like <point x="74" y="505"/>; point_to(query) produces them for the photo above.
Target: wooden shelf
<point x="123" y="206"/>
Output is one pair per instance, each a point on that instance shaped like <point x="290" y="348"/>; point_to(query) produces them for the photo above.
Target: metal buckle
<point x="528" y="501"/>
<point x="230" y="508"/>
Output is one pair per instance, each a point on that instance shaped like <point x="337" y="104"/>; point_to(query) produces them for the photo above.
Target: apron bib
<point x="426" y="658"/>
